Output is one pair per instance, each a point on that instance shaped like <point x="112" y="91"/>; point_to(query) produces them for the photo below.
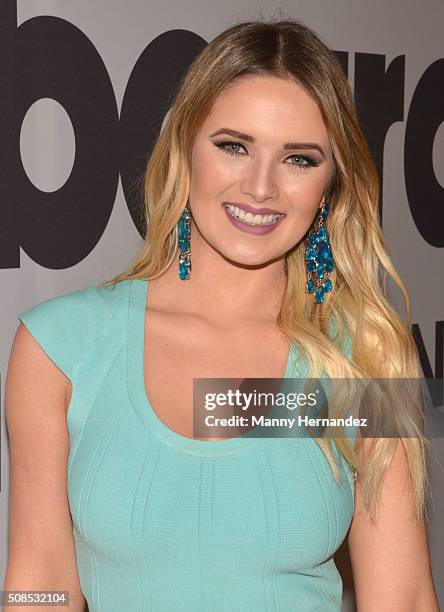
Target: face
<point x="251" y="158"/>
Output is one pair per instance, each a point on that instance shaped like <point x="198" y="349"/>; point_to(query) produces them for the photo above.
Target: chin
<point x="246" y="259"/>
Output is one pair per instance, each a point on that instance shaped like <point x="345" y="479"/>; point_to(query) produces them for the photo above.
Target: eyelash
<point x="311" y="162"/>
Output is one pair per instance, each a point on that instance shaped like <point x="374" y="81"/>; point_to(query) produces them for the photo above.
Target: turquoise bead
<point x="319" y="295"/>
<point x="311" y="266"/>
<point x="319" y="259"/>
<point x="325" y="210"/>
<point x="328" y="285"/>
<point x="310" y="253"/>
<point x="184" y="235"/>
<point x="184" y="244"/>
<point x="183" y="271"/>
<point x="313" y="239"/>
<point x="310" y="286"/>
<point x="182" y="226"/>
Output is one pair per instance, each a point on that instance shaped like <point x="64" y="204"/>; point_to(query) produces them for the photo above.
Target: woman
<point x="260" y="260"/>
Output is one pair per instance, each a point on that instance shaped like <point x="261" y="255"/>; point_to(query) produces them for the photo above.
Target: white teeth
<point x="249" y="218"/>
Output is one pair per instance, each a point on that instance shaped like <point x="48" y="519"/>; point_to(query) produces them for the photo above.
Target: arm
<point x="41" y="552"/>
<point x="390" y="557"/>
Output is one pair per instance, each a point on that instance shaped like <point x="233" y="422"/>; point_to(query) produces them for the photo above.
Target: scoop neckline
<point x="138" y="296"/>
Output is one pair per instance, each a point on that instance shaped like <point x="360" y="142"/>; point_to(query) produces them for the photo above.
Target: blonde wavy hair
<point x="382" y="343"/>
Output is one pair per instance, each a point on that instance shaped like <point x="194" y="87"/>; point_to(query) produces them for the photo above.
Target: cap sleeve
<point x="65" y="326"/>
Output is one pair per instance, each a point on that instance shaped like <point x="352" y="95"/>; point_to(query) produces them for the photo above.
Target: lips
<point x="254" y="211"/>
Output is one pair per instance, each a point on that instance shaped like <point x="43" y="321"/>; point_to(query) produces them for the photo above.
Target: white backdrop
<point x="71" y="69"/>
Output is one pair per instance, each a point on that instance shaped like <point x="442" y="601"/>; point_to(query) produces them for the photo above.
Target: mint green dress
<point x="166" y="523"/>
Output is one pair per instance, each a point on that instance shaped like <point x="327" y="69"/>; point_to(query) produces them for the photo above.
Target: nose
<point x="259" y="181"/>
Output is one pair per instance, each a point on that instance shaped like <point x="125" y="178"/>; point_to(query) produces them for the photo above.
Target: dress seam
<point x="319" y="581"/>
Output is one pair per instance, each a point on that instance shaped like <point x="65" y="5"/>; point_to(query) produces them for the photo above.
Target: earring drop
<point x="184" y="232"/>
<point x="319" y="259"/>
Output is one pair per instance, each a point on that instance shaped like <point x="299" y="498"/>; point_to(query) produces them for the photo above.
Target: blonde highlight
<point x="382" y="343"/>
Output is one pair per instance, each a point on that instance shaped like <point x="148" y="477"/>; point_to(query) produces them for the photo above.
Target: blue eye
<point x="310" y="162"/>
<point x="224" y="145"/>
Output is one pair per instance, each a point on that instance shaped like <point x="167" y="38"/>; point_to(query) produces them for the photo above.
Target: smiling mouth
<point x="250" y="218"/>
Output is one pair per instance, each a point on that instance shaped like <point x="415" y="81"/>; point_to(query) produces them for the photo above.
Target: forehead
<point x="267" y="106"/>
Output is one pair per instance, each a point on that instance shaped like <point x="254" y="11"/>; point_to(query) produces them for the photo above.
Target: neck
<point x="226" y="292"/>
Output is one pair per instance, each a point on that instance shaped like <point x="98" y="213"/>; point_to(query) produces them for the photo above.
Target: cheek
<point x="209" y="174"/>
<point x="304" y="196"/>
<point x="304" y="193"/>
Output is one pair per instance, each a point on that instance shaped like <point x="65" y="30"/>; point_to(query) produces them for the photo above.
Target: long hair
<point x="382" y="345"/>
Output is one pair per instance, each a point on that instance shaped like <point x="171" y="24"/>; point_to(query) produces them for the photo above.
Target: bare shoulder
<point x="382" y="551"/>
<point x="30" y="369"/>
<point x="40" y="526"/>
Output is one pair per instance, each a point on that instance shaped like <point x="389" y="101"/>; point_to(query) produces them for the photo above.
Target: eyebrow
<point x="287" y="145"/>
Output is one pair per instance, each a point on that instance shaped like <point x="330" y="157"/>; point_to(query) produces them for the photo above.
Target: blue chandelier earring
<point x="184" y="231"/>
<point x="319" y="259"/>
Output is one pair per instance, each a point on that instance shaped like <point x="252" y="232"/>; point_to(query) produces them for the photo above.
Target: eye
<point x="224" y="145"/>
<point x="309" y="162"/>
<point x="228" y="147"/>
